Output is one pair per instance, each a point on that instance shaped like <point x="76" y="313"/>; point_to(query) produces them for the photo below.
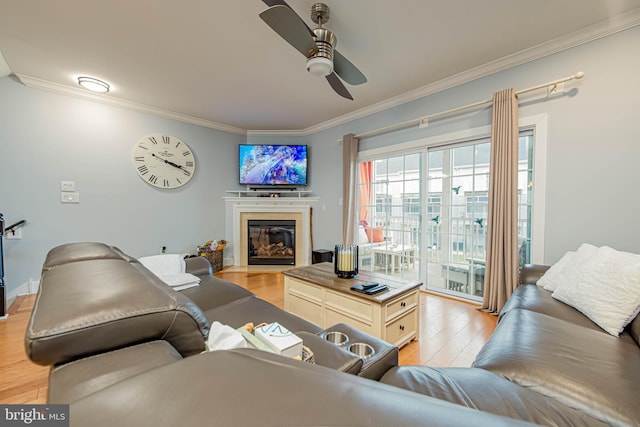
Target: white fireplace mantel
<point x="239" y="207"/>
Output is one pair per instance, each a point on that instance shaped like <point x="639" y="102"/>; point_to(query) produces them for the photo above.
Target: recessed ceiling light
<point x="93" y="84"/>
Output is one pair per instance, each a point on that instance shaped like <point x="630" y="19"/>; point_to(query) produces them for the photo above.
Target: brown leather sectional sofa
<point x="126" y="349"/>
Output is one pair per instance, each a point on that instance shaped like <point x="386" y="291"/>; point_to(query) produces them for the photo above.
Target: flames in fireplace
<point x="271" y="242"/>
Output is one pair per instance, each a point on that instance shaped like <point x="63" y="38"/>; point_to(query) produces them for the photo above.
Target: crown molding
<point x="602" y="29"/>
<point x="34" y="82"/>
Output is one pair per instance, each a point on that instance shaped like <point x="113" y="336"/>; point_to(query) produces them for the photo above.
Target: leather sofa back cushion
<point x="582" y="368"/>
<point x="103" y="304"/>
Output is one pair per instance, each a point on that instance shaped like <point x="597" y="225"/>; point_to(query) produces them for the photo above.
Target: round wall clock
<point x="163" y="161"/>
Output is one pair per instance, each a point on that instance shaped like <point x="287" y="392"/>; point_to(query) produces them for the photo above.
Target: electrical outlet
<point x="69" y="197"/>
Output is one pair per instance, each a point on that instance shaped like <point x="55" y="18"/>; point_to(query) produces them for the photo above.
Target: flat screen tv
<point x="273" y="165"/>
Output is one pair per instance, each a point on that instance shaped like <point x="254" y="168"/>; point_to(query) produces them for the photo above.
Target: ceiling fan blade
<point x="276" y="3"/>
<point x="346" y="70"/>
<point x="338" y="86"/>
<point x="284" y="3"/>
<point x="284" y="21"/>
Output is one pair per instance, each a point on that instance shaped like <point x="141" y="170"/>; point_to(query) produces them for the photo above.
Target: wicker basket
<point x="215" y="258"/>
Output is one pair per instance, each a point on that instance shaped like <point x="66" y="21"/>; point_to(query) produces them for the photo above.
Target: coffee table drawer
<point x="301" y="288"/>
<point x="309" y="310"/>
<point x="402" y="304"/>
<point x="354" y="307"/>
<point x="403" y="328"/>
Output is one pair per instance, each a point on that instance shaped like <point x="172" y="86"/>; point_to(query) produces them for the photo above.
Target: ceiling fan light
<point x="320" y="66"/>
<point x="94" y="84"/>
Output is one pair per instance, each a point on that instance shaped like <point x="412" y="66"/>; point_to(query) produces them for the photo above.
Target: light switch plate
<point x="67" y="185"/>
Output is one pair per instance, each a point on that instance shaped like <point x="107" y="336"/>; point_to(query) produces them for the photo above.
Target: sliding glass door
<point x="457" y="213"/>
<point x="423" y="215"/>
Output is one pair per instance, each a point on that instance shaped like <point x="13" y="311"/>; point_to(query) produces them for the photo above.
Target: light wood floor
<point x="452" y="333"/>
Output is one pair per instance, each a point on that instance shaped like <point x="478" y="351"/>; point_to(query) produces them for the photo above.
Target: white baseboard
<point x="27" y="288"/>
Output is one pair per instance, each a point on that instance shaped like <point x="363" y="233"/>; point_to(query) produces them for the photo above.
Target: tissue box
<point x="280" y="339"/>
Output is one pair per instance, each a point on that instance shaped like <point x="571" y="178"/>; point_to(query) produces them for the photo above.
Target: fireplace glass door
<point x="271" y="242"/>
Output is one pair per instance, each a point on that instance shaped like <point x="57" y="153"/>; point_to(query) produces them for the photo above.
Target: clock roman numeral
<point x="153" y="139"/>
<point x="166" y="182"/>
<point x="143" y="169"/>
<point x="178" y="179"/>
<point x="142" y="146"/>
<point x="189" y="164"/>
<point x="178" y="144"/>
<point x="166" y="139"/>
<point x="186" y="153"/>
<point x="139" y="158"/>
<point x="153" y="179"/>
<point x="186" y="172"/>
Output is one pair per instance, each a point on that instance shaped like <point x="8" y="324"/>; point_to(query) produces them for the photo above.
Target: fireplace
<point x="240" y="210"/>
<point x="271" y="242"/>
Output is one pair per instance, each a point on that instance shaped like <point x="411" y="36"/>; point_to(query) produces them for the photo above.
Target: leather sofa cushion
<point x="80" y="378"/>
<point x="486" y="391"/>
<point x="255" y="310"/>
<point x="91" y="306"/>
<point x="538" y="299"/>
<point x="253" y="388"/>
<point x="214" y="292"/>
<point x="82" y="251"/>
<point x="588" y="370"/>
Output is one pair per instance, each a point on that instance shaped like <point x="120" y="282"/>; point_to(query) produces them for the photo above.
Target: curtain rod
<point x="424" y="121"/>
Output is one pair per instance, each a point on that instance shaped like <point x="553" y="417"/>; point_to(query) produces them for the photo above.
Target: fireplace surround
<point x="239" y="210"/>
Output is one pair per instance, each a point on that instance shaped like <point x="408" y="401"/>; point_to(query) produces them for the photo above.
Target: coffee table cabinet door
<point x="402" y="329"/>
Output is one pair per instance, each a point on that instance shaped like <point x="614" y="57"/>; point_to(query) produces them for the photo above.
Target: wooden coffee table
<point x="316" y="294"/>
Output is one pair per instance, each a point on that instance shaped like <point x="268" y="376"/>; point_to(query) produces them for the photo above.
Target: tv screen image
<point x="273" y="164"/>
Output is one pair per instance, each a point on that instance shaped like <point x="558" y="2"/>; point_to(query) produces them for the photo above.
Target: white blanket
<point x="170" y="268"/>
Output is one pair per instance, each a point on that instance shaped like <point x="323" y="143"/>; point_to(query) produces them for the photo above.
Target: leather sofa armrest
<point x="530" y="273"/>
<point x="198" y="266"/>
<point x="330" y="355"/>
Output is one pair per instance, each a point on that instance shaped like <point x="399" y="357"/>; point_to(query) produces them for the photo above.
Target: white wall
<point x="46" y="138"/>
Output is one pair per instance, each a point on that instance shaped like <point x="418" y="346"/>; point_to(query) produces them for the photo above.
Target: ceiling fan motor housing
<point x="321" y="62"/>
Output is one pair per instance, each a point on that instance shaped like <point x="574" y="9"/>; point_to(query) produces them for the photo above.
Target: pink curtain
<point x="501" y="274"/>
<point x="366" y="172"/>
<point x="349" y="171"/>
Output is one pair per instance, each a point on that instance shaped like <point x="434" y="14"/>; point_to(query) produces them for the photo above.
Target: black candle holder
<point x="345" y="261"/>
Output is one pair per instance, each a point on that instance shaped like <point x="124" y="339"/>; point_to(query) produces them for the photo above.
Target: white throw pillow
<point x="566" y="267"/>
<point x="549" y="279"/>
<point x="606" y="289"/>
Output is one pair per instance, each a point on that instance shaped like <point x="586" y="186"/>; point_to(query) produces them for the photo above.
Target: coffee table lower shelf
<point x="325" y="302"/>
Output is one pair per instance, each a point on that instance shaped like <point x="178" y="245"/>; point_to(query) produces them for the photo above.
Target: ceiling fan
<point x="317" y="45"/>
